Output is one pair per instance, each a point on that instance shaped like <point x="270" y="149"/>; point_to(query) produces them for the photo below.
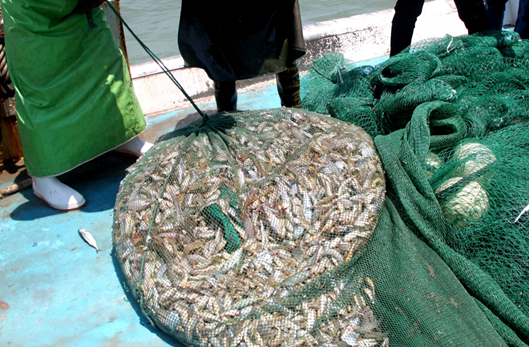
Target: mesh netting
<point x="486" y="189"/>
<point x="450" y="122"/>
<point x="290" y="228"/>
<point x="243" y="231"/>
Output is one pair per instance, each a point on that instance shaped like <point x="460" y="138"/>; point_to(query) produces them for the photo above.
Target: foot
<point x="56" y="194"/>
<point x="134" y="147"/>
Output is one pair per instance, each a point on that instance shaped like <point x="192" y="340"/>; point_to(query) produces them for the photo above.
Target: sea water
<point x="156" y="22"/>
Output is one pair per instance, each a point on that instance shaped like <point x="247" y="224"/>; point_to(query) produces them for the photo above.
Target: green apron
<point x="74" y="95"/>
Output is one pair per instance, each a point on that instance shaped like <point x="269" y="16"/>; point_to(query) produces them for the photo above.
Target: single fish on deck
<point x="89" y="239"/>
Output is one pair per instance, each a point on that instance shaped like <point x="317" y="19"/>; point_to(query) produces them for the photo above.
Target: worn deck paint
<point x="56" y="290"/>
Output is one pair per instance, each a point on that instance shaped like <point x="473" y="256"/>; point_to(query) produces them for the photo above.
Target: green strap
<point x="233" y="241"/>
<point x="162" y="66"/>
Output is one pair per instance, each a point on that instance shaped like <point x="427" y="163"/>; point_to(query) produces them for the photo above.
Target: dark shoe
<point x="225" y="96"/>
<point x="288" y="87"/>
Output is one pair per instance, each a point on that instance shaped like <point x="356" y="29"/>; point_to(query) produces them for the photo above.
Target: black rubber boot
<point x="288" y="87"/>
<point x="225" y="96"/>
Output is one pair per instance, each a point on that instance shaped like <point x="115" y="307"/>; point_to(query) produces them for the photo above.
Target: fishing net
<point x="244" y="230"/>
<point x="396" y="222"/>
<point x="449" y="117"/>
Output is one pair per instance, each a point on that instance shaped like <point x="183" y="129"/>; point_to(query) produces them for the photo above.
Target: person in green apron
<point x="238" y="39"/>
<point x="74" y="95"/>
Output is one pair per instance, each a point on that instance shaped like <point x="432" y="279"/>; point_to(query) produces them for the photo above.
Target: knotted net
<point x="244" y="230"/>
<point x="449" y="118"/>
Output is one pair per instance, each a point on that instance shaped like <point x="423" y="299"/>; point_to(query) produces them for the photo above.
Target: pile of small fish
<point x="241" y="237"/>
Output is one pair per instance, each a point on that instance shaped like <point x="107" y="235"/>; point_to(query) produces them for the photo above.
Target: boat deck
<point x="55" y="289"/>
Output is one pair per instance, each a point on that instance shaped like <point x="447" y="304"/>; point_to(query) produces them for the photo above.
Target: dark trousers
<point x="287" y="87"/>
<point x="496" y="11"/>
<point x="471" y="12"/>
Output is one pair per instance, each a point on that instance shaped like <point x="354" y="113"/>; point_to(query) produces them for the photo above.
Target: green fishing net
<point x="449" y="118"/>
<point x="244" y="229"/>
<point x="397" y="221"/>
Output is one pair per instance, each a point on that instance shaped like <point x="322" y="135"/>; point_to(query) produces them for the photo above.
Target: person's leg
<point x="135" y="147"/>
<point x="56" y="194"/>
<point x="522" y="21"/>
<point x="403" y="24"/>
<point x="288" y="86"/>
<point x="473" y="14"/>
<point x="495" y="13"/>
<point x="225" y="96"/>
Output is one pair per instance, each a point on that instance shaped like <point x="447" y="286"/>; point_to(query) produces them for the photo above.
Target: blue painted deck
<point x="55" y="290"/>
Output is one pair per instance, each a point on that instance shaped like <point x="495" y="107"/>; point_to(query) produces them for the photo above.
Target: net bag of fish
<point x="243" y="230"/>
<point x="449" y="117"/>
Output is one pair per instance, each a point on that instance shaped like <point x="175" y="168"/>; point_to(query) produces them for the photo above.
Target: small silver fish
<point x="521" y="214"/>
<point x="89" y="239"/>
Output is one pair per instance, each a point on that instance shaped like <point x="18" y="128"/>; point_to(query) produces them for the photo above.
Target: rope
<point x="15" y="188"/>
<point x="158" y="61"/>
<point x="6" y="91"/>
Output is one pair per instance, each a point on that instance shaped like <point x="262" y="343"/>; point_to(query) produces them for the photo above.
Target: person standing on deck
<point x="496" y="11"/>
<point x="471" y="12"/>
<point x="74" y="95"/>
<point x="235" y="40"/>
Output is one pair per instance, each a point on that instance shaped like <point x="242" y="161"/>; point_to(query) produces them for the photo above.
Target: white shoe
<point x="56" y="194"/>
<point x="134" y="147"/>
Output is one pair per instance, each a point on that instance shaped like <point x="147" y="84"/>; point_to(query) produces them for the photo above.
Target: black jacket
<point x="233" y="39"/>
